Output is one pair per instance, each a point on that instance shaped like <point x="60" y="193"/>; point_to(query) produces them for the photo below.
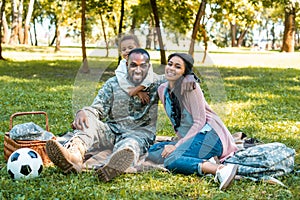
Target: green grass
<point x="262" y="102"/>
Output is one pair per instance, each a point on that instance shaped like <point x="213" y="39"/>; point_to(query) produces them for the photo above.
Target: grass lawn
<point x="263" y="102"/>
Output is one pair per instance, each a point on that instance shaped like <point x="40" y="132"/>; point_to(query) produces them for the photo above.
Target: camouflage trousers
<point x="99" y="137"/>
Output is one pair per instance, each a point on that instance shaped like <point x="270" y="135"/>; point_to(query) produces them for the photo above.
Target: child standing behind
<point x="126" y="44"/>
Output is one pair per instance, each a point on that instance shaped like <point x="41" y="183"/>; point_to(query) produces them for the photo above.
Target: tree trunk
<point x="104" y="34"/>
<point x="241" y="38"/>
<point x="20" y="21"/>
<point x="205" y="39"/>
<point x="273" y="35"/>
<point x="233" y="34"/>
<point x="14" y="26"/>
<point x="200" y="13"/>
<point x="27" y="21"/>
<point x="121" y="25"/>
<point x="163" y="59"/>
<point x="121" y="18"/>
<point x="149" y="37"/>
<point x="133" y="24"/>
<point x="298" y="38"/>
<point x="226" y="39"/>
<point x="53" y="40"/>
<point x="57" y="35"/>
<point x="289" y="31"/>
<point x="35" y="35"/>
<point x="5" y="33"/>
<point x="1" y="23"/>
<point x="85" y="66"/>
<point x="152" y="31"/>
<point x="31" y="39"/>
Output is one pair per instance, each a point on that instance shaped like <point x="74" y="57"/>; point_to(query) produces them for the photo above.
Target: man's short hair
<point x="140" y="51"/>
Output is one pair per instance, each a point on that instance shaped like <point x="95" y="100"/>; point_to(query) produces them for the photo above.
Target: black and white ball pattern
<point x="24" y="163"/>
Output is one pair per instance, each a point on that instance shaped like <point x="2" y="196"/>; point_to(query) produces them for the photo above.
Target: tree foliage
<point x="226" y="23"/>
<point x="291" y="10"/>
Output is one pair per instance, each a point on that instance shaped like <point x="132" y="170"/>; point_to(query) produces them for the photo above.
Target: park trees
<point x="225" y="23"/>
<point x="196" y="27"/>
<point x="163" y="59"/>
<point x="85" y="67"/>
<point x="62" y="14"/>
<point x="101" y="10"/>
<point x="19" y="35"/>
<point x="27" y="21"/>
<point x="14" y="24"/>
<point x="239" y="16"/>
<point x="291" y="9"/>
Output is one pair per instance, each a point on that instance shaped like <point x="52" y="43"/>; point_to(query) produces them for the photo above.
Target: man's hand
<point x="168" y="150"/>
<point x="81" y="121"/>
<point x="188" y="83"/>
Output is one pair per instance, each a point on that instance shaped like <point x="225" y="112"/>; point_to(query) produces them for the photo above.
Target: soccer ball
<point x="24" y="163"/>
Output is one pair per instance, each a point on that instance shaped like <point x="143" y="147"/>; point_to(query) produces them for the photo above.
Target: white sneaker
<point x="226" y="175"/>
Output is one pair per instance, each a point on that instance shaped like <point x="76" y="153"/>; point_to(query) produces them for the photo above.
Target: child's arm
<point x="132" y="91"/>
<point x="138" y="90"/>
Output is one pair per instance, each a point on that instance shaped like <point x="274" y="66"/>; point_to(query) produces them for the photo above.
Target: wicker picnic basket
<point x="11" y="145"/>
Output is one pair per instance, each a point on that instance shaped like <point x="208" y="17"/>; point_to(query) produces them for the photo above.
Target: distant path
<point x="240" y="58"/>
<point x="234" y="58"/>
<point x="285" y="60"/>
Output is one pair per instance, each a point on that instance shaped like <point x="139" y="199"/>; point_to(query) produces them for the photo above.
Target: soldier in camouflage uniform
<point x="114" y="121"/>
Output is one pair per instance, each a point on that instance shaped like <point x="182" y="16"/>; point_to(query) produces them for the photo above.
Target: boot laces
<point x="75" y="146"/>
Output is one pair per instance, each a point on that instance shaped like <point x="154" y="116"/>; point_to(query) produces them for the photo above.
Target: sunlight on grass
<point x="232" y="78"/>
<point x="60" y="88"/>
<point x="295" y="88"/>
<point x="9" y="79"/>
<point x="264" y="96"/>
<point x="238" y="108"/>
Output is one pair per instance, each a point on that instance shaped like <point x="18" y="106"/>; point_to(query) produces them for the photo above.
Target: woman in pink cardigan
<point x="201" y="133"/>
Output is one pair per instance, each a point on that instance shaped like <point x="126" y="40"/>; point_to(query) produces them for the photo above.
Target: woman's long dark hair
<point x="176" y="96"/>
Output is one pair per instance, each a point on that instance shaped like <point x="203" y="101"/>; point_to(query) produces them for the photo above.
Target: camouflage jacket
<point x="126" y="115"/>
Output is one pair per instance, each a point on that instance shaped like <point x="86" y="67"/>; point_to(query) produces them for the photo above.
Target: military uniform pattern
<point x="271" y="159"/>
<point x="117" y="120"/>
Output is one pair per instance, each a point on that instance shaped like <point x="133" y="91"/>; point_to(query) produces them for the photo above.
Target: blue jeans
<point x="187" y="158"/>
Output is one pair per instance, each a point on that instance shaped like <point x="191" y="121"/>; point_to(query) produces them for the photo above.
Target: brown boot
<point x="69" y="157"/>
<point x="117" y="164"/>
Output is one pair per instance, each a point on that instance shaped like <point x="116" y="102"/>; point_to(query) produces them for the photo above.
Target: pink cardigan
<point x="195" y="103"/>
